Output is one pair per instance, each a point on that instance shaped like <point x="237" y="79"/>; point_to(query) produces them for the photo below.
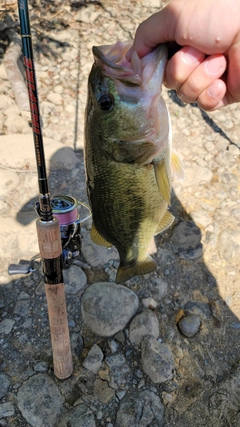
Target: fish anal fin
<point x="177" y="166"/>
<point x="98" y="238"/>
<point x="162" y="179"/>
<point x="165" y="222"/>
<point x="142" y="267"/>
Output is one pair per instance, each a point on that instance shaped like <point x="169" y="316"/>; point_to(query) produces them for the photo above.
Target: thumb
<point x="158" y="28"/>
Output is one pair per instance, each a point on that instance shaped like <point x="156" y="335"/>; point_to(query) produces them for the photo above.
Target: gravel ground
<point x="162" y="350"/>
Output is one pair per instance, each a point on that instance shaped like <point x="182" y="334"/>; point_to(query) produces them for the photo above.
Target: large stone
<point x="107" y="308"/>
<point x="157" y="360"/>
<point x="40" y="401"/>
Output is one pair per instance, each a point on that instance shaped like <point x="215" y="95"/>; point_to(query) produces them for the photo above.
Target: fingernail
<point x="214" y="66"/>
<point x="191" y="56"/>
<point x="214" y="90"/>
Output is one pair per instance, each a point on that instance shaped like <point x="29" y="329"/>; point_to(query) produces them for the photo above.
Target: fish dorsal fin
<point x="165" y="222"/>
<point x="162" y="179"/>
<point x="98" y="238"/>
<point x="177" y="166"/>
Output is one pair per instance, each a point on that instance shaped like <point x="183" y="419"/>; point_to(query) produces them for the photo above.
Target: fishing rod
<point x="48" y="227"/>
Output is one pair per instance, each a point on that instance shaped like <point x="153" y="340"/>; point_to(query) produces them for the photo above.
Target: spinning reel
<point x="65" y="208"/>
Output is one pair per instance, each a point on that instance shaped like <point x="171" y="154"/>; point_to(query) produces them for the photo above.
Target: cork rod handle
<point x="50" y="246"/>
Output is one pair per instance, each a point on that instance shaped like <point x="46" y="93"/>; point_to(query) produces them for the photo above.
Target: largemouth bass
<point x="128" y="154"/>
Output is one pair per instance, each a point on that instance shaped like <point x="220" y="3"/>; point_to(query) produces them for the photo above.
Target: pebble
<point x="78" y="416"/>
<point x="198" y="308"/>
<point x="6" y="326"/>
<point x="145" y="323"/>
<point x="189" y="325"/>
<point x="4" y="384"/>
<point x="94" y="359"/>
<point x="149" y="303"/>
<point x="75" y="280"/>
<point x="107" y="308"/>
<point x="157" y="360"/>
<point x="118" y="370"/>
<point x="141" y="408"/>
<point x="158" y="288"/>
<point x="6" y="410"/>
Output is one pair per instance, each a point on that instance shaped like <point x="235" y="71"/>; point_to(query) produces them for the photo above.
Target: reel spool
<point x="65" y="208"/>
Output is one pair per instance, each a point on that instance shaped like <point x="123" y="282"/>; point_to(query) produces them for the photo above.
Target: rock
<point x="157" y="360"/>
<point x="4" y="385"/>
<point x="165" y="257"/>
<point x="94" y="359"/>
<point x="78" y="416"/>
<point x="102" y="391"/>
<point x="118" y="370"/>
<point x="5" y="102"/>
<point x="229" y="245"/>
<point x="55" y="98"/>
<point x="12" y="156"/>
<point x="145" y="323"/>
<point x="9" y="180"/>
<point x="76" y="344"/>
<point x="201" y="218"/>
<point x="6" y="326"/>
<point x="158" y="288"/>
<point x="107" y="308"/>
<point x="189" y="325"/>
<point x="199" y="308"/>
<point x="96" y="255"/>
<point x="64" y="159"/>
<point x="40" y="401"/>
<point x="196" y="176"/>
<point x="186" y="240"/>
<point x="22" y="308"/>
<point x="75" y="280"/>
<point x="16" y="124"/>
<point x="149" y="303"/>
<point x="142" y="408"/>
<point x="87" y="14"/>
<point x="6" y="410"/>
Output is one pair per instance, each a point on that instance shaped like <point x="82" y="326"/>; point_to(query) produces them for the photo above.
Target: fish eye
<point x="106" y="102"/>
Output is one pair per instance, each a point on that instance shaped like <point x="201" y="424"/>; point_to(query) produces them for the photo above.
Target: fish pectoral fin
<point x="142" y="267"/>
<point x="98" y="238"/>
<point x="177" y="167"/>
<point x="162" y="179"/>
<point x="165" y="222"/>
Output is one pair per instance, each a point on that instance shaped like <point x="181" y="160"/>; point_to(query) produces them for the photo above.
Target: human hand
<point x="206" y="68"/>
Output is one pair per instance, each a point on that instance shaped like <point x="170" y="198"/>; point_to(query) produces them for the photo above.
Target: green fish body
<point x="128" y="154"/>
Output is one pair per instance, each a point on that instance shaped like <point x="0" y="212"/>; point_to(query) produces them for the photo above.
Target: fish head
<point x="125" y="97"/>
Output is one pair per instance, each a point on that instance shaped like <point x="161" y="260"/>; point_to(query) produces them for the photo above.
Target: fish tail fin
<point x="141" y="267"/>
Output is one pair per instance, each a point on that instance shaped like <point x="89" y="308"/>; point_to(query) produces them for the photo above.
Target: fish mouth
<point x="148" y="71"/>
<point x="113" y="63"/>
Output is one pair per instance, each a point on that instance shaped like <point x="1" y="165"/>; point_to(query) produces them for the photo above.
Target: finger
<point x="211" y="69"/>
<point x="146" y="39"/>
<point x="214" y="96"/>
<point x="181" y="65"/>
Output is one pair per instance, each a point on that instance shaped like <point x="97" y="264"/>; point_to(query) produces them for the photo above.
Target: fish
<point x="128" y="154"/>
